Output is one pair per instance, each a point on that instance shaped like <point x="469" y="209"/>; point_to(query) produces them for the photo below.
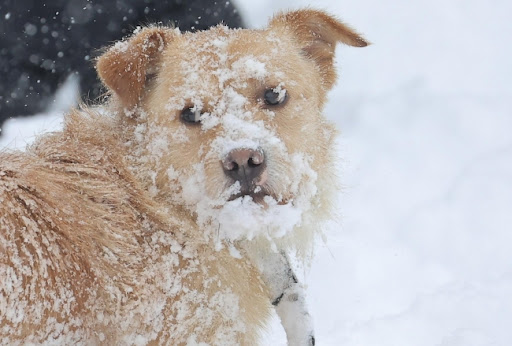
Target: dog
<point x="43" y="43"/>
<point x="167" y="216"/>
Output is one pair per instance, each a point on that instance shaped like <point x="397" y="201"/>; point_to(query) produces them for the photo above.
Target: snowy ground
<point x="423" y="255"/>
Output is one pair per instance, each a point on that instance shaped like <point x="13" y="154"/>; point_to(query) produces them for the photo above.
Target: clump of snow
<point x="242" y="219"/>
<point x="281" y="91"/>
<point x="121" y="46"/>
<point x="250" y="66"/>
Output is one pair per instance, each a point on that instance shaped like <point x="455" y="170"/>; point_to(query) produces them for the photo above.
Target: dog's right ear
<point x="124" y="66"/>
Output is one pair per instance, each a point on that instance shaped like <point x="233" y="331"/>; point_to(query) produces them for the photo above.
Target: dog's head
<point x="228" y="123"/>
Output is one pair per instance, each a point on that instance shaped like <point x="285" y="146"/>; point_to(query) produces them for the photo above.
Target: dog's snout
<point x="246" y="166"/>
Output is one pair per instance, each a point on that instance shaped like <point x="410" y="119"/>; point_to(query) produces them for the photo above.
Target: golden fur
<point x="99" y="241"/>
<point x="78" y="235"/>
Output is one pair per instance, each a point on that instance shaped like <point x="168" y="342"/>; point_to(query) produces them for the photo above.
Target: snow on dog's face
<point x="228" y="123"/>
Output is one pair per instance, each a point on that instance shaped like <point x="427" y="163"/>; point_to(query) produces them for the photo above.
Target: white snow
<point x="423" y="255"/>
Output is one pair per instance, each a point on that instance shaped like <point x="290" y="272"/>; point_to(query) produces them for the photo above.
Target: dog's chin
<point x="246" y="216"/>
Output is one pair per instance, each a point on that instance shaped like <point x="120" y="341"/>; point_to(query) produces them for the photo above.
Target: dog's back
<point x="85" y="256"/>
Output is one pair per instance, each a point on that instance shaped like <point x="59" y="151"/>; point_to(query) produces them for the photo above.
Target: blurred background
<point x="423" y="252"/>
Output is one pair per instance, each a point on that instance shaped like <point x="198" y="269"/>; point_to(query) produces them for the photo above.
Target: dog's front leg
<point x="288" y="296"/>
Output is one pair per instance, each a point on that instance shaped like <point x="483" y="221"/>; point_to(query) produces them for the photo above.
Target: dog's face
<point x="229" y="123"/>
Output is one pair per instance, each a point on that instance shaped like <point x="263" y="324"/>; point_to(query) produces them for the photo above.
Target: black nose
<point x="246" y="166"/>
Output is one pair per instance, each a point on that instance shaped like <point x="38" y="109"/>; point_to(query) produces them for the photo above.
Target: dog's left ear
<point x="317" y="33"/>
<point x="123" y="68"/>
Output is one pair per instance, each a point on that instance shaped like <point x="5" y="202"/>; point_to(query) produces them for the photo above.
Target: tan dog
<point x="165" y="220"/>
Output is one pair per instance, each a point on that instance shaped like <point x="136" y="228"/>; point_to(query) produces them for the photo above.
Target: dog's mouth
<point x="258" y="195"/>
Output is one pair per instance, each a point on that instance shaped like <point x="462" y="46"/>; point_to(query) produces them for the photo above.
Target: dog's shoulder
<point x="68" y="181"/>
<point x="70" y="219"/>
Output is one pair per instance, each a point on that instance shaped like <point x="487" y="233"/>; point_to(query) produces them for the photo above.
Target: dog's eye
<point x="191" y="115"/>
<point x="275" y="96"/>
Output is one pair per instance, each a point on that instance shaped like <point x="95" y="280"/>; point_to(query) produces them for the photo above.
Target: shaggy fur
<point x="88" y="256"/>
<point x="111" y="231"/>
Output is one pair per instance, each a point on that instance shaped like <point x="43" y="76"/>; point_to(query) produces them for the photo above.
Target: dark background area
<point x="43" y="42"/>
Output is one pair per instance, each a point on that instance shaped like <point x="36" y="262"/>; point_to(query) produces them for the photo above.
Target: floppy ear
<point x="124" y="66"/>
<point x="317" y="34"/>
